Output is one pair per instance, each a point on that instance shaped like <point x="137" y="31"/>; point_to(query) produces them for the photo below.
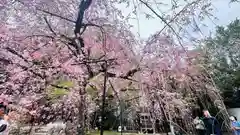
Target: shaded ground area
<point x="116" y="133"/>
<point x="111" y="133"/>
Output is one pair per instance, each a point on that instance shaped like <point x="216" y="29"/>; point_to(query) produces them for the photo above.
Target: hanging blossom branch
<point x="26" y="68"/>
<point x="80" y="27"/>
<point x="77" y="42"/>
<point x="84" y="5"/>
<point x="49" y="26"/>
<point x="56" y="15"/>
<point x="162" y="19"/>
<point x="178" y="14"/>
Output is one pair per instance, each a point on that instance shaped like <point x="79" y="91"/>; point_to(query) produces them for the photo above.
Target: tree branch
<point x="49" y="26"/>
<point x="56" y="15"/>
<point x="130" y="73"/>
<point x="16" y="53"/>
<point x="5" y="61"/>
<point x="115" y="92"/>
<point x="31" y="36"/>
<point x="92" y="61"/>
<point x="183" y="9"/>
<point x="25" y="68"/>
<point x="162" y="19"/>
<point x="60" y="87"/>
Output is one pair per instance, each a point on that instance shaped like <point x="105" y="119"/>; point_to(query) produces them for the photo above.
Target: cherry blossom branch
<point x="16" y="53"/>
<point x="31" y="36"/>
<point x="78" y="43"/>
<point x="129" y="100"/>
<point x="115" y="92"/>
<point x="181" y="11"/>
<point x="56" y="15"/>
<point x="25" y="68"/>
<point x="126" y="77"/>
<point x="49" y="26"/>
<point x="61" y="17"/>
<point x="162" y="19"/>
<point x="6" y="61"/>
<point x="92" y="61"/>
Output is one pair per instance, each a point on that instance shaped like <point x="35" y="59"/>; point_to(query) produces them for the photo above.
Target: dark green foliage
<point x="110" y="120"/>
<point x="223" y="60"/>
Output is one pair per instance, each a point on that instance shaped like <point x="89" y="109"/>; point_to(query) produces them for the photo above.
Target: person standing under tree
<point x="199" y="125"/>
<point x="3" y="120"/>
<point x="235" y="125"/>
<point x="211" y="124"/>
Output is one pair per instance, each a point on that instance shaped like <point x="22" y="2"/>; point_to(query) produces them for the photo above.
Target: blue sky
<point x="224" y="11"/>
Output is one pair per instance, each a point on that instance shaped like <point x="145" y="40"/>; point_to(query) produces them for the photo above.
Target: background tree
<point x="223" y="59"/>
